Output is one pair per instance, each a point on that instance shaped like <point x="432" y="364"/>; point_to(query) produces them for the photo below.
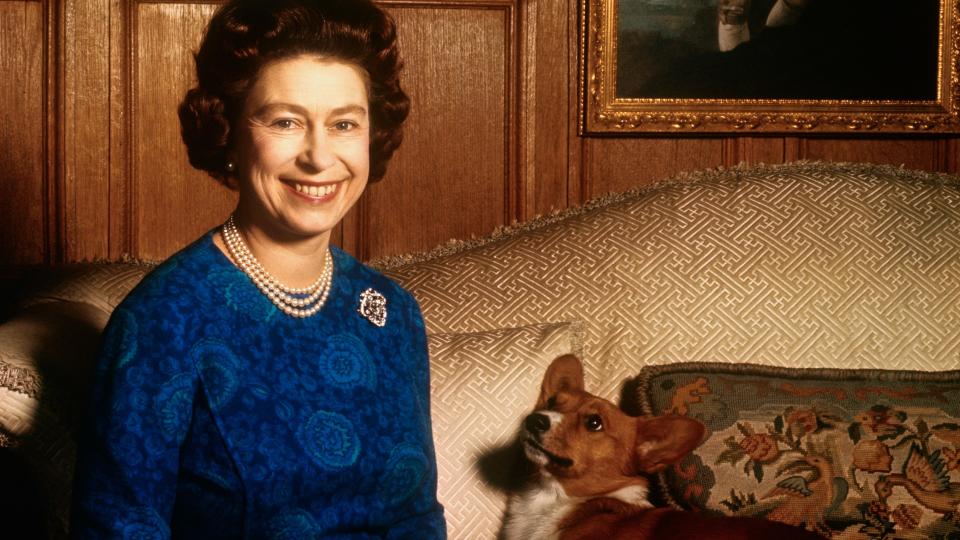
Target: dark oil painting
<point x="778" y="49"/>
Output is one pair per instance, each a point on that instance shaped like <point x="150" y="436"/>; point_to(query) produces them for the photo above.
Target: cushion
<point x="46" y="357"/>
<point x="47" y="354"/>
<point x="805" y="264"/>
<point x="857" y="453"/>
<point x="483" y="384"/>
<point x="102" y="285"/>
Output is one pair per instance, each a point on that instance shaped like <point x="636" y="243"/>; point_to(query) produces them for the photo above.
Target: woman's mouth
<point x="312" y="191"/>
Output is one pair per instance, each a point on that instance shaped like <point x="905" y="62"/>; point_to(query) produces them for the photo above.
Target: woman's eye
<point x="285" y="123"/>
<point x="594" y="423"/>
<point x="344" y="125"/>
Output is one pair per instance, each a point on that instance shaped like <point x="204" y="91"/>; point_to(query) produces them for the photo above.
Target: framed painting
<point x="769" y="66"/>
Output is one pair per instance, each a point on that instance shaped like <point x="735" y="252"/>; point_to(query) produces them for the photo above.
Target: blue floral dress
<point x="215" y="415"/>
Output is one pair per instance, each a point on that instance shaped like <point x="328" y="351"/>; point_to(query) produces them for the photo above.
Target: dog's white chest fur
<point x="536" y="513"/>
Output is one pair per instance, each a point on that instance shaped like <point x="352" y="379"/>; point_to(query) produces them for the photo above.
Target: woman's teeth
<point x="315" y="191"/>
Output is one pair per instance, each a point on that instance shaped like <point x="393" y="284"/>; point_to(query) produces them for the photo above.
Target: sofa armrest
<point x="46" y="354"/>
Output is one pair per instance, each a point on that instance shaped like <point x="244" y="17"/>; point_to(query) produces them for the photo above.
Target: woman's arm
<point x="140" y="407"/>
<point x="426" y="521"/>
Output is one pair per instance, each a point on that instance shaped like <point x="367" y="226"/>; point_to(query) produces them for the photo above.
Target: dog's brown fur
<point x="592" y="460"/>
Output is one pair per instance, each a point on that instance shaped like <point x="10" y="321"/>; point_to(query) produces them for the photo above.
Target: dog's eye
<point x="594" y="423"/>
<point x="552" y="402"/>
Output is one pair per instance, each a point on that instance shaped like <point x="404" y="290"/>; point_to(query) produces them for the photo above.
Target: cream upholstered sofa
<point x="823" y="265"/>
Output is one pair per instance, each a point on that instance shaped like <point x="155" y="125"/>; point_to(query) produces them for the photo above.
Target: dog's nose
<point x="537" y="423"/>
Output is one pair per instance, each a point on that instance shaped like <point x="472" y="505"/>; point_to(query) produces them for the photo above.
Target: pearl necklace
<point x="296" y="302"/>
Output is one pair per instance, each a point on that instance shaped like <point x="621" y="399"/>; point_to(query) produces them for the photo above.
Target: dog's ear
<point x="665" y="440"/>
<point x="564" y="373"/>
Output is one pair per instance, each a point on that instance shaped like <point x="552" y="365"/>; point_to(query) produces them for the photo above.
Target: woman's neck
<point x="294" y="261"/>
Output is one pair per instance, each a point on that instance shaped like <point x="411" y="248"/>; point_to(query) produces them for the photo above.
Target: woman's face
<point x="302" y="148"/>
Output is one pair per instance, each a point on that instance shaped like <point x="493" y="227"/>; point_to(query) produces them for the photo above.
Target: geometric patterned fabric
<point x="102" y="285"/>
<point x="483" y="384"/>
<point x="805" y="264"/>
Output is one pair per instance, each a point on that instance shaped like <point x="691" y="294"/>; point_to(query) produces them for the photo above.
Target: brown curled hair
<point x="244" y="35"/>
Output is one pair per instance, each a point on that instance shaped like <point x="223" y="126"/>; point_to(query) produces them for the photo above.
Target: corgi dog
<point x="590" y="464"/>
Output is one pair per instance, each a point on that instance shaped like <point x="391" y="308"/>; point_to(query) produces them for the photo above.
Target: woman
<point x="261" y="383"/>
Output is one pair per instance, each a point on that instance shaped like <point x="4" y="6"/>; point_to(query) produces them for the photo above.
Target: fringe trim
<point x="735" y="173"/>
<point x="7" y="440"/>
<point x="20" y="380"/>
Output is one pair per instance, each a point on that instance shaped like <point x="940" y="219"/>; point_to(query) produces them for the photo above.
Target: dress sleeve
<point x="141" y="399"/>
<point x="427" y="521"/>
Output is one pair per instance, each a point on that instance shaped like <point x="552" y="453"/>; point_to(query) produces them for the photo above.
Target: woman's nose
<point x="317" y="151"/>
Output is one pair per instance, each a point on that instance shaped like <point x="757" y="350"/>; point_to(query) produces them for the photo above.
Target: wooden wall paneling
<point x="945" y="154"/>
<point x="454" y="175"/>
<point x="120" y="202"/>
<point x="85" y="196"/>
<point x="619" y="164"/>
<point x="173" y="203"/>
<point x="951" y="155"/>
<point x="53" y="252"/>
<point x="753" y="150"/>
<point x="23" y="135"/>
<point x="576" y="179"/>
<point x="794" y="149"/>
<point x="94" y="166"/>
<point x="546" y="97"/>
<point x="912" y="153"/>
<point x="526" y="107"/>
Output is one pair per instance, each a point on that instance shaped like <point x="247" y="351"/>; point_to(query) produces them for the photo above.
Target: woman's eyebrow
<point x="349" y="109"/>
<point x="278" y="105"/>
<point x="300" y="109"/>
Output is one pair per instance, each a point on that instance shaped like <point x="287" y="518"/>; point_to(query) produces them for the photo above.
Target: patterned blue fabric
<point x="215" y="415"/>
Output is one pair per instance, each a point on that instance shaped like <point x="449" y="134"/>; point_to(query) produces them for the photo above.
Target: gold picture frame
<point x="878" y="101"/>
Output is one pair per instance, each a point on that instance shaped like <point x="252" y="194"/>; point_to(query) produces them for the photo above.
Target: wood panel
<point x="753" y="150"/>
<point x="951" y="155"/>
<point x="173" y="203"/>
<point x="85" y="191"/>
<point x="911" y="153"/>
<point x="546" y="165"/>
<point x="451" y="176"/>
<point x="94" y="166"/>
<point x="23" y="140"/>
<point x="120" y="229"/>
<point x="614" y="165"/>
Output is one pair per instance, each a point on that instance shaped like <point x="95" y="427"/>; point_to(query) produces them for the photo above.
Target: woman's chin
<point x="306" y="230"/>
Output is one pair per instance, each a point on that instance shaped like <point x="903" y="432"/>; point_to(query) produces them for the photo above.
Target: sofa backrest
<point x="807" y="264"/>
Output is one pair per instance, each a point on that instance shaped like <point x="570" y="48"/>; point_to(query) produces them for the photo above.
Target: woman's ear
<point x="564" y="373"/>
<point x="665" y="440"/>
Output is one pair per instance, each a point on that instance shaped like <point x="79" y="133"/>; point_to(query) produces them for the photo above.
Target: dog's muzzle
<point x="536" y="425"/>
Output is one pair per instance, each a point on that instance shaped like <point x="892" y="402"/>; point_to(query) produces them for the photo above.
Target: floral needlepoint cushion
<point x="852" y="454"/>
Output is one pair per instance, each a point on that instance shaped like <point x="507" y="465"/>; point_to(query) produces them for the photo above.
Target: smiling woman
<point x="242" y="387"/>
<point x="302" y="157"/>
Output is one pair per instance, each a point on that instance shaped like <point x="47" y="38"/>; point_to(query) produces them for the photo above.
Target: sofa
<point x="807" y="313"/>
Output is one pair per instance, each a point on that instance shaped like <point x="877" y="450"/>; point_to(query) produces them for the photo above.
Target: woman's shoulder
<point x="180" y="278"/>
